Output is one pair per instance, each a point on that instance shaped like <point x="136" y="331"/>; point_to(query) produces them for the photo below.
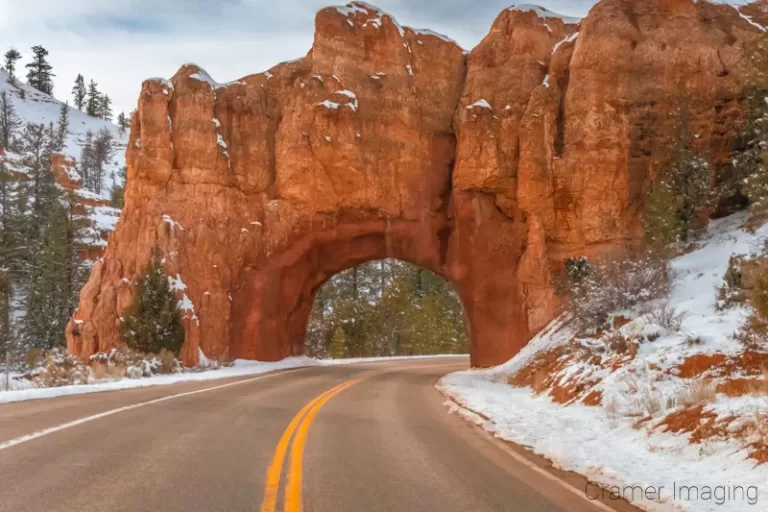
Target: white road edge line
<point x="40" y="433"/>
<point x="519" y="458"/>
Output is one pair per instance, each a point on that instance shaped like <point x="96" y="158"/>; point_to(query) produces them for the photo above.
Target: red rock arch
<point x="488" y="168"/>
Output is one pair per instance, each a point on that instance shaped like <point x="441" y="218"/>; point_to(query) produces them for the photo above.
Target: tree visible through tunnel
<point x="386" y="308"/>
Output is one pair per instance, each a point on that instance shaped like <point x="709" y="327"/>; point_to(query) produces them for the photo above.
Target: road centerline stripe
<point x="295" y="436"/>
<point x="276" y="467"/>
<point x="293" y="501"/>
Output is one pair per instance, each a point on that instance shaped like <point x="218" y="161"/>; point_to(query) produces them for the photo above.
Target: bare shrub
<point x="168" y="363"/>
<point x="650" y="399"/>
<point x="692" y="340"/>
<point x="665" y="316"/>
<point x="98" y="370"/>
<point x="62" y="370"/>
<point x="612" y="413"/>
<point x="116" y="371"/>
<point x="698" y="392"/>
<point x="759" y="386"/>
<point x="617" y="285"/>
<point x="731" y="292"/>
<point x="753" y="334"/>
<point x="33" y="357"/>
<point x="618" y="343"/>
<point x="761" y="426"/>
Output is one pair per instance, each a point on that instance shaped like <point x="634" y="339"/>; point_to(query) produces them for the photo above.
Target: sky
<point x="119" y="43"/>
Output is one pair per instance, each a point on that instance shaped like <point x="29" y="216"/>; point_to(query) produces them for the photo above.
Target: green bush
<point x="152" y="322"/>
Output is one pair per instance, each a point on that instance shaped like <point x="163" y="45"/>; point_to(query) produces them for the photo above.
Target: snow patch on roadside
<point x="240" y="368"/>
<point x="607" y="443"/>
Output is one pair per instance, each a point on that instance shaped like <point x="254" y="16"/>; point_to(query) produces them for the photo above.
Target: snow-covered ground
<point x="618" y="442"/>
<point x="25" y="390"/>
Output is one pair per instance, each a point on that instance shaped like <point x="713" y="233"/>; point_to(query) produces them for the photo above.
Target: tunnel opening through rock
<point x="386" y="308"/>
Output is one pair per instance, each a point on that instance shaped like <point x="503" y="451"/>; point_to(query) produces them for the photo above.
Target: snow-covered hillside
<point x="651" y="403"/>
<point x="39" y="108"/>
<point x="32" y="106"/>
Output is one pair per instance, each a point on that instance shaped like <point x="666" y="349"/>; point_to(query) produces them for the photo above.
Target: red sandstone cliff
<point x="488" y="168"/>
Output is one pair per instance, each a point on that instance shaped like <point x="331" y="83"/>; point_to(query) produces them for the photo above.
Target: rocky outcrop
<point x="489" y="168"/>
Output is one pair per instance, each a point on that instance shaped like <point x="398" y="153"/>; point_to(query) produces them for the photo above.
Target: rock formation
<point x="489" y="168"/>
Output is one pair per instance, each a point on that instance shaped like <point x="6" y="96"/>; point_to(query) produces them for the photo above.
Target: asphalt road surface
<point x="365" y="437"/>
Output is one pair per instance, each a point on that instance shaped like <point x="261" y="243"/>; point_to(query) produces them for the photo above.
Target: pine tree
<point x="102" y="154"/>
<point x="152" y="322"/>
<point x="118" y="188"/>
<point x="750" y="158"/>
<point x="93" y="100"/>
<point x="9" y="121"/>
<point x="11" y="56"/>
<point x="57" y="277"/>
<point x="337" y="349"/>
<point x="79" y="92"/>
<point x="397" y="309"/>
<point x="62" y="128"/>
<point x="34" y="145"/>
<point x="123" y="122"/>
<point x="687" y="175"/>
<point x="95" y="157"/>
<point x="661" y="221"/>
<point x="105" y="107"/>
<point x="86" y="163"/>
<point x="12" y="252"/>
<point x="39" y="75"/>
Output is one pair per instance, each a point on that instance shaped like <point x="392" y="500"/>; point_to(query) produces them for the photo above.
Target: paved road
<point x="369" y="437"/>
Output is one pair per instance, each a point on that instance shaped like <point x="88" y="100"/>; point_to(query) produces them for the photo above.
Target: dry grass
<point x="98" y="370"/>
<point x="648" y="397"/>
<point x="612" y="413"/>
<point x="116" y="371"/>
<point x="761" y="427"/>
<point x="107" y="370"/>
<point x="759" y="386"/>
<point x="698" y="392"/>
<point x="33" y="357"/>
<point x="167" y="361"/>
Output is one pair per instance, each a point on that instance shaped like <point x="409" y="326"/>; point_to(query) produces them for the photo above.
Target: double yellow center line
<point x="300" y="425"/>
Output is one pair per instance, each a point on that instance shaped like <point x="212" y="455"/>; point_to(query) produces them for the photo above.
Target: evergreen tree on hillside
<point x="152" y="322"/>
<point x="40" y="74"/>
<point x="118" y="188"/>
<point x="93" y="100"/>
<point x="62" y="128"/>
<point x="11" y="57"/>
<point x="105" y="107"/>
<point x="687" y="176"/>
<point x="58" y="275"/>
<point x="123" y="122"/>
<point x="662" y="227"/>
<point x="12" y="253"/>
<point x="79" y="92"/>
<point x="85" y="165"/>
<point x="9" y="121"/>
<point x="750" y="155"/>
<point x="35" y="146"/>
<point x="94" y="158"/>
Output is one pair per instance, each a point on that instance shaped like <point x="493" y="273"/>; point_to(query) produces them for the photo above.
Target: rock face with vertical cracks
<point x="489" y="168"/>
